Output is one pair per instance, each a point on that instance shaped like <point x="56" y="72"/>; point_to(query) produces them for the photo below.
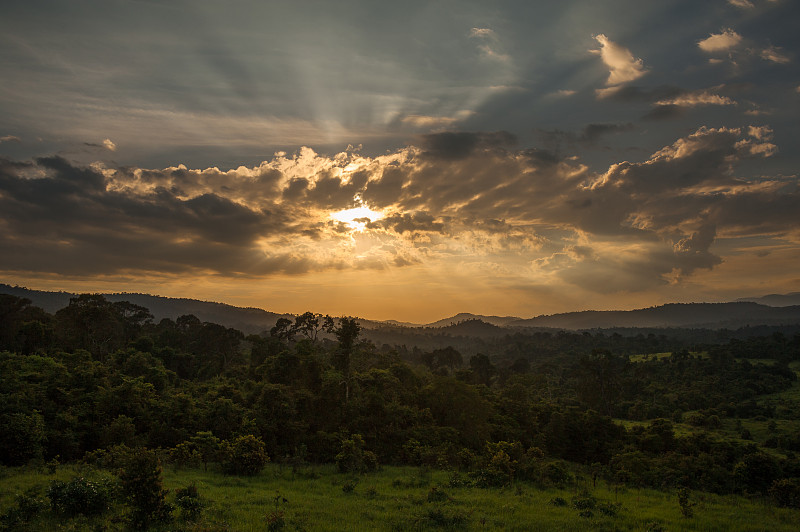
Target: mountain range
<point x="774" y="309"/>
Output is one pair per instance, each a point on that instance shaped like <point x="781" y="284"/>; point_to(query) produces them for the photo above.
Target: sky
<point x="402" y="160"/>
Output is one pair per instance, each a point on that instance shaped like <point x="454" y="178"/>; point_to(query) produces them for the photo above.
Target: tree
<point x="21" y="437"/>
<point x="282" y="329"/>
<point x="23" y="327"/>
<point x="482" y="369"/>
<point x="33" y="336"/>
<point x="447" y="357"/>
<point x="600" y="379"/>
<point x="346" y="333"/>
<point x="458" y="405"/>
<point x="133" y="318"/>
<point x="219" y="346"/>
<point x="90" y="322"/>
<point x="207" y="445"/>
<point x="309" y="325"/>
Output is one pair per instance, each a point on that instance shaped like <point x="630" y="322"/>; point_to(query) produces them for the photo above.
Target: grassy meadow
<point x="410" y="498"/>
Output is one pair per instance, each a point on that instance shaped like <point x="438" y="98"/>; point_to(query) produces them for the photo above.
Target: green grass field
<point x="406" y="498"/>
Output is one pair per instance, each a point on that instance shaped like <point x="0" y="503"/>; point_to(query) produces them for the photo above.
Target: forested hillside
<point x="99" y="376"/>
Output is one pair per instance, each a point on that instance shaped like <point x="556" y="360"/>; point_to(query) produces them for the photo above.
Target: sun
<point x="357" y="218"/>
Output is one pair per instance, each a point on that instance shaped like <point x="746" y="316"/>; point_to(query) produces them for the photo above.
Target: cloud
<point x="425" y="121"/>
<point x="664" y="112"/>
<point x="775" y="55"/>
<point x="589" y="134"/>
<point x="623" y="66"/>
<point x="489" y="44"/>
<point x="693" y="251"/>
<point x="720" y="42"/>
<point x="744" y="4"/>
<point x="10" y="138"/>
<point x="482" y="32"/>
<point x="593" y="132"/>
<point x="674" y="102"/>
<point x="632" y="93"/>
<point x="455" y="200"/>
<point x="107" y="144"/>
<point x="457" y="145"/>
<point x="760" y="132"/>
<point x="695" y="98"/>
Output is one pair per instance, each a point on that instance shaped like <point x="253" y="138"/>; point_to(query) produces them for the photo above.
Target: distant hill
<point x="500" y="321"/>
<point x="247" y="320"/>
<point x="675" y="315"/>
<point x="775" y="300"/>
<point x="693" y="315"/>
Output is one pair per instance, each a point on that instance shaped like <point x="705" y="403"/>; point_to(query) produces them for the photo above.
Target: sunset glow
<point x="357" y="218"/>
<point x="514" y="159"/>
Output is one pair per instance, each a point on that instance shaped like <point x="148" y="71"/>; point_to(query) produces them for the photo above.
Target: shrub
<point x="609" y="509"/>
<point x="786" y="492"/>
<point x="80" y="496"/>
<point x="584" y="502"/>
<point x="245" y="455"/>
<point x="114" y="457"/>
<point x="142" y="486"/>
<point x="185" y="455"/>
<point x="437" y="495"/>
<point x="684" y="503"/>
<point x="352" y="457"/>
<point x="457" y="480"/>
<point x="27" y="506"/>
<point x="444" y="518"/>
<point x="556" y="473"/>
<point x="275" y="520"/>
<point x="349" y="486"/>
<point x="188" y="501"/>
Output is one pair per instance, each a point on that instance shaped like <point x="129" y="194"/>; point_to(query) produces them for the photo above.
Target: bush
<point x="584" y="502"/>
<point x="114" y="457"/>
<point x="188" y="501"/>
<point x="457" y="480"/>
<point x="556" y="473"/>
<point x="444" y="518"/>
<point x="437" y="495"/>
<point x="786" y="492"/>
<point x="684" y="503"/>
<point x="28" y="505"/>
<point x="352" y="457"/>
<point x="142" y="486"/>
<point x="185" y="455"/>
<point x="80" y="496"/>
<point x="245" y="455"/>
<point x="558" y="501"/>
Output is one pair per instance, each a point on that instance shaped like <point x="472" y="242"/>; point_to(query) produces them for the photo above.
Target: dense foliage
<point x="99" y="376"/>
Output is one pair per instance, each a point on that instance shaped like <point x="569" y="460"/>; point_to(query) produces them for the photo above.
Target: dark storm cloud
<point x="589" y="135"/>
<point x="693" y="251"/>
<point x="664" y="112"/>
<point x="408" y="223"/>
<point x="69" y="221"/>
<point x="385" y="191"/>
<point x="458" y="145"/>
<point x="647" y="219"/>
<point x="634" y="93"/>
<point x="330" y="192"/>
<point x="593" y="132"/>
